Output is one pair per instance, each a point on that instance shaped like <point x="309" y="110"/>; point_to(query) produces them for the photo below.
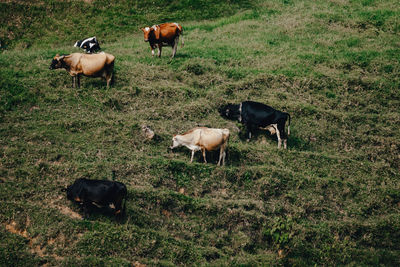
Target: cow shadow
<point x="181" y="55"/>
<point x="258" y="134"/>
<point x="235" y="156"/>
<point x="264" y="136"/>
<point x="94" y="83"/>
<point x="300" y="144"/>
<point x="212" y="157"/>
<point x="95" y="212"/>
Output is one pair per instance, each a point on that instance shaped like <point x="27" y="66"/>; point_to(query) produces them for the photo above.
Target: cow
<point x="101" y="193"/>
<point x="91" y="65"/>
<point x="203" y="138"/>
<point x="257" y="115"/>
<point x="89" y="44"/>
<point x="166" y="34"/>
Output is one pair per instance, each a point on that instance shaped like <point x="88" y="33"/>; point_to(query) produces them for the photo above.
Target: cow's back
<point x="257" y="113"/>
<point x="212" y="139"/>
<point x="103" y="191"/>
<point x="93" y="62"/>
<point x="169" y="30"/>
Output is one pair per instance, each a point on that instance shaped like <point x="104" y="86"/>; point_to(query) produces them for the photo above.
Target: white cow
<point x="203" y="138"/>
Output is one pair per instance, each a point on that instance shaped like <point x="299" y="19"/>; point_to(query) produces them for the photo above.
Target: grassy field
<point x="332" y="198"/>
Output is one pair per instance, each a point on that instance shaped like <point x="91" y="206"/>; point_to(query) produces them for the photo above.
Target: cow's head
<point x="146" y="32"/>
<point x="230" y="111"/>
<point x="70" y="193"/>
<point x="57" y="62"/>
<point x="151" y="33"/>
<point x="175" y="142"/>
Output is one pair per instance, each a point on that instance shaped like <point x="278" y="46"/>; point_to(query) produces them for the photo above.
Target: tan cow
<point x="166" y="34"/>
<point x="203" y="138"/>
<point x="91" y="65"/>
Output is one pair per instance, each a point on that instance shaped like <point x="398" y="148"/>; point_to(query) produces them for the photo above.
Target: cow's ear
<point x="157" y="32"/>
<point x="142" y="29"/>
<point x="56" y="56"/>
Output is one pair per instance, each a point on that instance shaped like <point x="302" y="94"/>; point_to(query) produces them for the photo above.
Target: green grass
<point x="332" y="198"/>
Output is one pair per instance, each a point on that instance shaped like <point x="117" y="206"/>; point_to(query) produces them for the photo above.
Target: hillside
<point x="331" y="198"/>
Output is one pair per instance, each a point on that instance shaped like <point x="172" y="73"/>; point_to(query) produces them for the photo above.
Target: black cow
<point x="101" y="193"/>
<point x="257" y="115"/>
<point x="89" y="44"/>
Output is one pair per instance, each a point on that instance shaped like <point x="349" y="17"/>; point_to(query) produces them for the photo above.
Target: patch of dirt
<point x="12" y="228"/>
<point x="67" y="211"/>
<point x="55" y="203"/>
<point x="34" y="248"/>
<point x="138" y="264"/>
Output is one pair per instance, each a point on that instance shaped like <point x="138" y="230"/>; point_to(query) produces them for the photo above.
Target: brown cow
<point x="91" y="65"/>
<point x="166" y="34"/>
<point x="203" y="138"/>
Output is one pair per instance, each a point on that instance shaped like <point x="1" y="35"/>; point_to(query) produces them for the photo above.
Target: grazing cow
<point x="89" y="44"/>
<point x="203" y="138"/>
<point x="91" y="65"/>
<point x="166" y="34"/>
<point x="257" y="115"/>
<point x="101" y="193"/>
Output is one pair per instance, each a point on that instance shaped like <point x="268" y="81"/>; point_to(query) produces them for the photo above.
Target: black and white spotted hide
<point x="89" y="44"/>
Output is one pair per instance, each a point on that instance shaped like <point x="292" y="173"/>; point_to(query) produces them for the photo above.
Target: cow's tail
<point x="288" y="128"/>
<point x="182" y="41"/>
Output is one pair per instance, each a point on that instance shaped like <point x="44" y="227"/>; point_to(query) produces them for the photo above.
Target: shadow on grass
<point x="96" y="213"/>
<point x="294" y="142"/>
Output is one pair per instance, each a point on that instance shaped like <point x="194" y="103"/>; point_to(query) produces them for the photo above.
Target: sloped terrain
<point x="331" y="198"/>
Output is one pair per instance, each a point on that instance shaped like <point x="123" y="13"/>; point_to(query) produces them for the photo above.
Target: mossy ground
<point x="332" y="198"/>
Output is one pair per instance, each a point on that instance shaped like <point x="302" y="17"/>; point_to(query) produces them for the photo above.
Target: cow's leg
<point x="249" y="130"/>
<point x="221" y="155"/>
<point x="108" y="78"/>
<point x="109" y="73"/>
<point x="86" y="206"/>
<point x="224" y="155"/>
<point x="159" y="50"/>
<point x="118" y="206"/>
<point x="191" y="159"/>
<point x="174" y="46"/>
<point x="152" y="47"/>
<point x="203" y="150"/>
<point x="281" y="131"/>
<point x="73" y="82"/>
<point x="78" y="77"/>
<point x="279" y="138"/>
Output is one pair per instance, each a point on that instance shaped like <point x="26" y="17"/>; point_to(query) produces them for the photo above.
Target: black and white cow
<point x="101" y="193"/>
<point x="89" y="44"/>
<point x="256" y="115"/>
